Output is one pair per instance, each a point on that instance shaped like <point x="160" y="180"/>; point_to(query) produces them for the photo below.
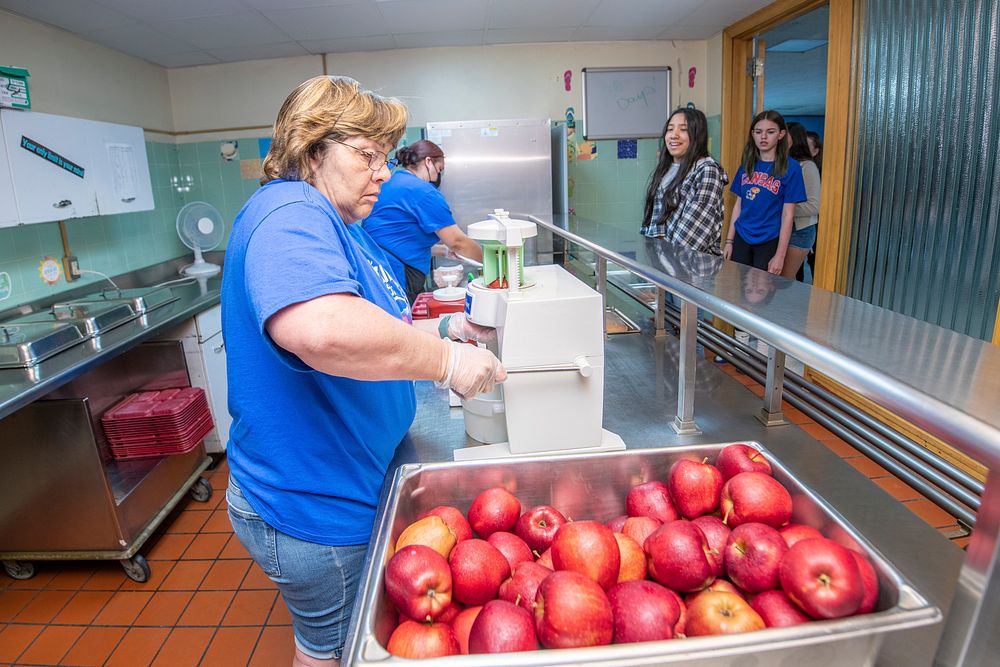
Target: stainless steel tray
<point x="25" y="345"/>
<point x="91" y="319"/>
<point x="594" y="486"/>
<point x="141" y="299"/>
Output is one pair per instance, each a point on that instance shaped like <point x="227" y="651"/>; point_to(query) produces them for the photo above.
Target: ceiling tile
<point x="151" y="11"/>
<point x="528" y="35"/>
<point x="681" y="31"/>
<point x="407" y="16"/>
<point x="78" y="16"/>
<point x="638" y="13"/>
<point x="222" y="32"/>
<point x="329" y="22"/>
<point x="421" y="40"/>
<point x="139" y="40"/>
<point x="535" y="14"/>
<point x="189" y="59"/>
<point x="349" y="44"/>
<point x="259" y="52"/>
<point x="296" y="4"/>
<point x="616" y="34"/>
<point x="723" y="13"/>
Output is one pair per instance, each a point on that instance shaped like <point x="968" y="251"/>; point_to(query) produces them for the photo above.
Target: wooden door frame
<point x="837" y="194"/>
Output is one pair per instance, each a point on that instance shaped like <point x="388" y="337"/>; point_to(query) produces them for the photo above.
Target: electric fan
<point x="199" y="226"/>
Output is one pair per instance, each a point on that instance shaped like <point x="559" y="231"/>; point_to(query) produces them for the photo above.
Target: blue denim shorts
<point x="317" y="582"/>
<point x="804" y="238"/>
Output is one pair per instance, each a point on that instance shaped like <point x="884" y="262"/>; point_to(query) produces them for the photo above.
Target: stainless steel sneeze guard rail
<point x="944" y="382"/>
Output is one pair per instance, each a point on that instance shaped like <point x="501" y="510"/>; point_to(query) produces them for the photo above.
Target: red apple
<point x="446" y="616"/>
<point x="503" y="627"/>
<point x="590" y="548"/>
<point x="679" y="627"/>
<point x="721" y="613"/>
<point x="538" y="526"/>
<point x="795" y="532"/>
<point x="754" y="496"/>
<point x="734" y="459"/>
<point x="512" y="547"/>
<point x="822" y="578"/>
<point x="753" y="556"/>
<point x="572" y="611"/>
<point x="717" y="585"/>
<point x="717" y="534"/>
<point x="651" y="499"/>
<point x="454" y="518"/>
<point x="677" y="556"/>
<point x="869" y="580"/>
<point x="633" y="559"/>
<point x="617" y="525"/>
<point x="423" y="640"/>
<point x="643" y="611"/>
<point x="522" y="585"/>
<point x="640" y="527"/>
<point x="694" y="487"/>
<point x="777" y="610"/>
<point x="462" y="625"/>
<point x="477" y="570"/>
<point x="545" y="560"/>
<point x="492" y="510"/>
<point x="419" y="582"/>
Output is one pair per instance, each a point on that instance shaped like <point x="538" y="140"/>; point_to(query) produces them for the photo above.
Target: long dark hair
<point x="414" y="154"/>
<point x="751" y="154"/>
<point x="800" y="142"/>
<point x="697" y="127"/>
<point x="818" y="141"/>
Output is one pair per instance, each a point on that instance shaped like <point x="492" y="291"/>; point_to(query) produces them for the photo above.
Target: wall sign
<point x="6" y="286"/>
<point x="46" y="153"/>
<point x="49" y="270"/>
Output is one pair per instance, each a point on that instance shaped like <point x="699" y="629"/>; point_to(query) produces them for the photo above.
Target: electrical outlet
<point x="71" y="268"/>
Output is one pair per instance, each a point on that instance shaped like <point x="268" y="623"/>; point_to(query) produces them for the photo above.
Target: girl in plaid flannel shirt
<point x="684" y="196"/>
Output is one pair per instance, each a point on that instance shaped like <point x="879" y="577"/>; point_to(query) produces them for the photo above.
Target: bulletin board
<point x="625" y="102"/>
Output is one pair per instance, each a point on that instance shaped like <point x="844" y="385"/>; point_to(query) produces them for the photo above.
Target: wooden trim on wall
<point x="996" y="326"/>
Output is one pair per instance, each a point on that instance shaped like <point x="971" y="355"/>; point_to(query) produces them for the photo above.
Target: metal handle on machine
<point x="128" y="200"/>
<point x="62" y="203"/>
<point x="580" y="365"/>
<point x="219" y="348"/>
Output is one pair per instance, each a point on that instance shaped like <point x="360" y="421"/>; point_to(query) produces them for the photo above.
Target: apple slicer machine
<point x="550" y="338"/>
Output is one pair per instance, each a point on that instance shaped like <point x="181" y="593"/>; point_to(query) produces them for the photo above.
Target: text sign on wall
<point x="45" y="153"/>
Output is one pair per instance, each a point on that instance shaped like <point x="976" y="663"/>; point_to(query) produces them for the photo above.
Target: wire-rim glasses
<point x="376" y="159"/>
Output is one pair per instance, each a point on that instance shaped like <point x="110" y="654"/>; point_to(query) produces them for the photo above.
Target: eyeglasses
<point x="376" y="160"/>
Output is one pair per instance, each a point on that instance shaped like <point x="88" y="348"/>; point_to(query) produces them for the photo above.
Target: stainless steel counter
<point x="19" y="387"/>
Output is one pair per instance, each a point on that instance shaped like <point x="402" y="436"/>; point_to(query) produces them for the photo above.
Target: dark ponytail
<point x="410" y="156"/>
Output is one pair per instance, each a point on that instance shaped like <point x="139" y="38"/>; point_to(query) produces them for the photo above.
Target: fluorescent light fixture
<point x="797" y="45"/>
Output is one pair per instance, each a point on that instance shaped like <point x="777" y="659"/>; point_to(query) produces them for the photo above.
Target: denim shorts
<point x="804" y="238"/>
<point x="317" y="582"/>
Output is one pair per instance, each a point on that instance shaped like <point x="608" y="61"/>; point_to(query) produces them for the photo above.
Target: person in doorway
<point x="768" y="186"/>
<point x="412" y="216"/>
<point x="321" y="356"/>
<point x="684" y="195"/>
<point x="816" y="149"/>
<point x="806" y="213"/>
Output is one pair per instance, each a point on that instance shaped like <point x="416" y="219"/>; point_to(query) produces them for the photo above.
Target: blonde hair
<point x="327" y="107"/>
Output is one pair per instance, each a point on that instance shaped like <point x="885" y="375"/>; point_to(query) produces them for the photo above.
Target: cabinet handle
<point x="219" y="348"/>
<point x="62" y="204"/>
<point x="128" y="200"/>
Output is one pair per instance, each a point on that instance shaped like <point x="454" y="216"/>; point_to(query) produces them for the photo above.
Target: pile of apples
<point x="710" y="551"/>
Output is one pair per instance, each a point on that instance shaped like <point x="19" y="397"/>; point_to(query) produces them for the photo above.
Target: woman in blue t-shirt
<point x="412" y="216"/>
<point x="768" y="185"/>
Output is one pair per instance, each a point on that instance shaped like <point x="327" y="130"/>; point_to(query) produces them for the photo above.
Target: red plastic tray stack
<point x="156" y="423"/>
<point x="425" y="306"/>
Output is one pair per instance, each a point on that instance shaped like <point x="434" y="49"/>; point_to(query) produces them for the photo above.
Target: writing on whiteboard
<point x="641" y="97"/>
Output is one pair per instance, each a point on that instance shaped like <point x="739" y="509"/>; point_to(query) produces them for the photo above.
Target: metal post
<point x="601" y="284"/>
<point x="770" y="414"/>
<point x="970" y="636"/>
<point x="683" y="423"/>
<point x="660" y="314"/>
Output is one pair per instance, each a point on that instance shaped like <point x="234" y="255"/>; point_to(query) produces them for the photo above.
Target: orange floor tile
<point x="206" y="603"/>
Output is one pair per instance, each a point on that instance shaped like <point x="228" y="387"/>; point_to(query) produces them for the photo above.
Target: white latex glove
<point x="458" y="327"/>
<point x="471" y="370"/>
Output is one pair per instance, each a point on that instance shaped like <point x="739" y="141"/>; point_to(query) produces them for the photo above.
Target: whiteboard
<point x="625" y="102"/>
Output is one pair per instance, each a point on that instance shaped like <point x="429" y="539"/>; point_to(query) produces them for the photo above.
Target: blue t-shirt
<point x="762" y="197"/>
<point x="309" y="450"/>
<point x="405" y="221"/>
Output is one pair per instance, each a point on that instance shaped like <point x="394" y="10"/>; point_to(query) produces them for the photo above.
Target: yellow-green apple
<point x="522" y="585"/>
<point x="677" y="556"/>
<point x="477" y="570"/>
<point x="572" y="611"/>
<point x="419" y="582"/>
<point x="503" y="627"/>
<point x="430" y="531"/>
<point x="753" y="556"/>
<point x="644" y="611"/>
<point x="494" y="509"/>
<point x="512" y="547"/>
<point x="538" y="526"/>
<point x="454" y="518"/>
<point x="633" y="559"/>
<point x="423" y="640"/>
<point x="822" y="578"/>
<point x="777" y="610"/>
<point x="755" y="496"/>
<point x="721" y="613"/>
<point x="694" y="487"/>
<point x="734" y="459"/>
<point x="651" y="499"/>
<point x="590" y="548"/>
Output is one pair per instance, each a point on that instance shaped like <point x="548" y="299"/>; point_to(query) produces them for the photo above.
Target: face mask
<point x="437" y="181"/>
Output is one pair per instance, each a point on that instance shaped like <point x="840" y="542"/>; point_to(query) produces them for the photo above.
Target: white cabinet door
<point x="121" y="168"/>
<point x="213" y="352"/>
<point x="8" y="207"/>
<point x="51" y="164"/>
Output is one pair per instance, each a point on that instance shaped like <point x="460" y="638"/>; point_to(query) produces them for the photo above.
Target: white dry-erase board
<point x="625" y="102"/>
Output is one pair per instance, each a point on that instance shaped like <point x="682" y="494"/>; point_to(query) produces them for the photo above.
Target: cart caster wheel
<point x="136" y="568"/>
<point x="201" y="490"/>
<point x="19" y="569"/>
